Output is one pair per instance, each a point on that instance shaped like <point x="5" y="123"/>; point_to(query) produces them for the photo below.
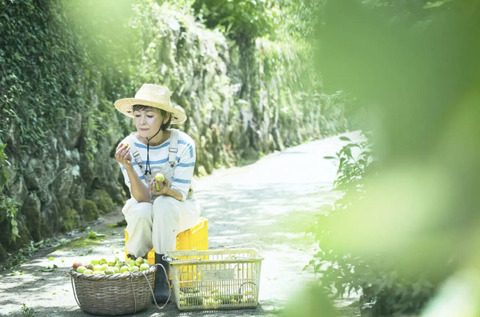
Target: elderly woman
<point x="157" y="210"/>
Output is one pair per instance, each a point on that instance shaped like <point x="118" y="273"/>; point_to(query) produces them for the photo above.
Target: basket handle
<point x="133" y="290"/>
<point x="169" y="287"/>
<point x="74" y="290"/>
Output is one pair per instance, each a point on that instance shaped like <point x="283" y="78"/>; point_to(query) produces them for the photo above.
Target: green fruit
<point x="94" y="262"/>
<point x="131" y="262"/>
<point x="124" y="269"/>
<point x="111" y="263"/>
<point x="89" y="266"/>
<point x="144" y="267"/>
<point x="159" y="178"/>
<point x="81" y="269"/>
<point x="102" y="261"/>
<point x="109" y="271"/>
<point x="139" y="261"/>
<point x="97" y="267"/>
<point x="134" y="269"/>
<point x="99" y="273"/>
<point x="116" y="269"/>
<point x="88" y="271"/>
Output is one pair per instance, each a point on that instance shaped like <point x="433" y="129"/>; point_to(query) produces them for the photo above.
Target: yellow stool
<point x="195" y="238"/>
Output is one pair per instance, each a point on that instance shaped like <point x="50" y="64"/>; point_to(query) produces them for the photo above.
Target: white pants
<point x="157" y="225"/>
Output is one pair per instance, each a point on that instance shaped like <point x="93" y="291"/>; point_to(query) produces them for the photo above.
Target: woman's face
<point x="147" y="121"/>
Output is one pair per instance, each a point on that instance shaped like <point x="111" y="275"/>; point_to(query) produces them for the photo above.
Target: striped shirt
<point x="183" y="171"/>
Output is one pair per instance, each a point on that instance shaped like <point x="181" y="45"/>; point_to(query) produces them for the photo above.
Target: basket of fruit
<point x="215" y="279"/>
<point x="114" y="287"/>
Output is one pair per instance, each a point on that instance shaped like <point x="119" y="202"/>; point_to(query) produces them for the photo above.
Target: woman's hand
<point x="159" y="188"/>
<point x="122" y="155"/>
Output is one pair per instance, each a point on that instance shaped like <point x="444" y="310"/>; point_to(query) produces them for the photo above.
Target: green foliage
<point x="90" y="210"/>
<point x="28" y="311"/>
<point x="299" y="18"/>
<point x="3" y="164"/>
<point x="103" y="201"/>
<point x="41" y="77"/>
<point x="383" y="290"/>
<point x="70" y="220"/>
<point x="398" y="239"/>
<point x="294" y="90"/>
<point x="244" y="20"/>
<point x="352" y="167"/>
<point x="102" y="30"/>
<point x="8" y="221"/>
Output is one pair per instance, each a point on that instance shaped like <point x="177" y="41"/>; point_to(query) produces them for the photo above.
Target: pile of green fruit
<point x="115" y="266"/>
<point x="213" y="299"/>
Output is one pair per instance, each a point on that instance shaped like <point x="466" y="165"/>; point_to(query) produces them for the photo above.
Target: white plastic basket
<point x="215" y="279"/>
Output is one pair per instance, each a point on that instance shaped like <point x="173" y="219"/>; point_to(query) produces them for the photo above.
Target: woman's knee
<point x="140" y="212"/>
<point x="166" y="207"/>
<point x="165" y="202"/>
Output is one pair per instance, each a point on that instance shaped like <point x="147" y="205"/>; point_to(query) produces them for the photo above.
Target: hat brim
<point x="125" y="106"/>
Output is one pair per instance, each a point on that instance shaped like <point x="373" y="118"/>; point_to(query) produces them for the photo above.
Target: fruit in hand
<point x="159" y="178"/>
<point x="126" y="144"/>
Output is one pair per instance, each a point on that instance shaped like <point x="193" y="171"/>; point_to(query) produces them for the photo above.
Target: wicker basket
<point x="215" y="279"/>
<point x="116" y="294"/>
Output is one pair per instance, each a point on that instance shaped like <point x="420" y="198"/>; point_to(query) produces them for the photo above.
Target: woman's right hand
<point x="122" y="155"/>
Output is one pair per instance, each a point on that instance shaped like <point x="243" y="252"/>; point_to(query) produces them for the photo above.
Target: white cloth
<point x="157" y="223"/>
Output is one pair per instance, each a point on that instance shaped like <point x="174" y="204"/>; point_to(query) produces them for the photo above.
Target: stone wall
<point x="241" y="100"/>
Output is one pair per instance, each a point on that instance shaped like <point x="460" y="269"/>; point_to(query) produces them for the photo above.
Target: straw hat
<point x="155" y="96"/>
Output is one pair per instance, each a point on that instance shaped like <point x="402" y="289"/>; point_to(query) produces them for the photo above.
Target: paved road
<point x="268" y="204"/>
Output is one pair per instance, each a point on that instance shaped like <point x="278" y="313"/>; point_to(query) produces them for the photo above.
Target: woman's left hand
<point x="159" y="188"/>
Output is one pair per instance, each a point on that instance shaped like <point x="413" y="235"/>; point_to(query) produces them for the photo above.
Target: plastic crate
<point x="195" y="238"/>
<point x="215" y="279"/>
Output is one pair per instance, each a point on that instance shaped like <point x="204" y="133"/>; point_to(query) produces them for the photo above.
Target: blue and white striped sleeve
<point x="182" y="176"/>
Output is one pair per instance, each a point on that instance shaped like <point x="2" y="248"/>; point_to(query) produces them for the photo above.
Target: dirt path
<point x="269" y="203"/>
